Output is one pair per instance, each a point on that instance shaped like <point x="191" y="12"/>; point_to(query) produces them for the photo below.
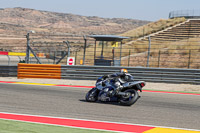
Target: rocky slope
<point x="16" y="21"/>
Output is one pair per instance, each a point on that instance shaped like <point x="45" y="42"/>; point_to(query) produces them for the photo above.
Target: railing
<point x="189" y="76"/>
<point x="47" y="71"/>
<point x="8" y="71"/>
<point x="185" y="13"/>
<point x="163" y="75"/>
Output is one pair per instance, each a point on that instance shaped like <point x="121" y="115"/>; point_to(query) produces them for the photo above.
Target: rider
<point x="123" y="77"/>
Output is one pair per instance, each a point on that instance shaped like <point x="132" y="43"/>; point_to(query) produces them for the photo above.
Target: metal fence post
<point x="120" y="53"/>
<point x="54" y="58"/>
<point x="66" y="53"/>
<point x="113" y="52"/>
<point x="159" y="59"/>
<point x="189" y="58"/>
<point x="149" y="51"/>
<point x="75" y="57"/>
<point x="102" y="47"/>
<point x="129" y="57"/>
<point x="19" y="58"/>
<point x="8" y="59"/>
<point x="85" y="44"/>
<point x="95" y="47"/>
<point x="27" y="49"/>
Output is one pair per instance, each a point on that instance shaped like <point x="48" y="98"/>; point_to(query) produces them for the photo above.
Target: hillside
<point x="17" y="21"/>
<point x="178" y="45"/>
<point x="174" y="44"/>
<point x="152" y="27"/>
<point x="53" y="28"/>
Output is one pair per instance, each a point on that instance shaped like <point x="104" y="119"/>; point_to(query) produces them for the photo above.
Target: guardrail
<point x="8" y="71"/>
<point x="39" y="71"/>
<point x="188" y="76"/>
<point x="185" y="13"/>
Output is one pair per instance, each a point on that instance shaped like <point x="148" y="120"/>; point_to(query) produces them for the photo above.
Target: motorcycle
<point x="115" y="90"/>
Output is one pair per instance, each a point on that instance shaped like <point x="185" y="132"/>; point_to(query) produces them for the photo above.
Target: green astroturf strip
<point x="9" y="126"/>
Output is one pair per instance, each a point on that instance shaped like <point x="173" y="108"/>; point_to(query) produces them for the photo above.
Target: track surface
<point x="171" y="110"/>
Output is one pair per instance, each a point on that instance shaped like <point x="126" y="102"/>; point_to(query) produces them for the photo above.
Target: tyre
<point x="131" y="97"/>
<point x="92" y="95"/>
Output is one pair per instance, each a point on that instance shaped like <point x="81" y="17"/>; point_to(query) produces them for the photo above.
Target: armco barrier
<point x="39" y="71"/>
<point x="8" y="71"/>
<point x="189" y="76"/>
<point x="164" y="75"/>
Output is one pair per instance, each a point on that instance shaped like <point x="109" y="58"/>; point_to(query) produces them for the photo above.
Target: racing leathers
<point x="119" y="79"/>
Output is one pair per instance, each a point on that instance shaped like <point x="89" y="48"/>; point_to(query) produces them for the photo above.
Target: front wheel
<point x="92" y="95"/>
<point x="131" y="97"/>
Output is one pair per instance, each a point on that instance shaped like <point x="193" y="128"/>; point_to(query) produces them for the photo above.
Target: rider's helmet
<point x="123" y="71"/>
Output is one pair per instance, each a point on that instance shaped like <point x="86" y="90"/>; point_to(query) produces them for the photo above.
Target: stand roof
<point x="108" y="37"/>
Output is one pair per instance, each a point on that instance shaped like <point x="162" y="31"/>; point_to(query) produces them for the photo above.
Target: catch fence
<point x="185" y="13"/>
<point x="51" y="48"/>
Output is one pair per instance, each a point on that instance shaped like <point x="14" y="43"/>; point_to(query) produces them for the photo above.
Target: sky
<point x="150" y="10"/>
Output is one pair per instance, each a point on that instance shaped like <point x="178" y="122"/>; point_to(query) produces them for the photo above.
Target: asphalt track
<point x="159" y="109"/>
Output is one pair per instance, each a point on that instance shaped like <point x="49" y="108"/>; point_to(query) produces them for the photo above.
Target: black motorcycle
<point x="114" y="89"/>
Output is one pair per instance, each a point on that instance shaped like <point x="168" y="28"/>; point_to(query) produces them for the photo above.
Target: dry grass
<point x="179" y="54"/>
<point x="173" y="54"/>
<point x="152" y="27"/>
<point x="136" y="47"/>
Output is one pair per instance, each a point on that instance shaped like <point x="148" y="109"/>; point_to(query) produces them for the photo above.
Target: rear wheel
<point x="92" y="95"/>
<point x="131" y="97"/>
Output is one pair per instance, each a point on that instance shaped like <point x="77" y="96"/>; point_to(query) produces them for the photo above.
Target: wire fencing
<point x="185" y="13"/>
<point x="14" y="60"/>
<point x="50" y="48"/>
<point x="10" y="60"/>
<point x="161" y="58"/>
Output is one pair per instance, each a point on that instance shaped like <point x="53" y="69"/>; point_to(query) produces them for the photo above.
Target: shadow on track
<point x="99" y="102"/>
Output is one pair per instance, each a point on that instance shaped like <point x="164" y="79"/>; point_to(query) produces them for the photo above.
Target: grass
<point x="173" y="54"/>
<point x="8" y="126"/>
<point x="134" y="34"/>
<point x="139" y="49"/>
<point x="153" y="27"/>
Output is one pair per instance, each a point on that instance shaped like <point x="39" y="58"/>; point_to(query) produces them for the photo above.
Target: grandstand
<point x="175" y="46"/>
<point x="188" y="29"/>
